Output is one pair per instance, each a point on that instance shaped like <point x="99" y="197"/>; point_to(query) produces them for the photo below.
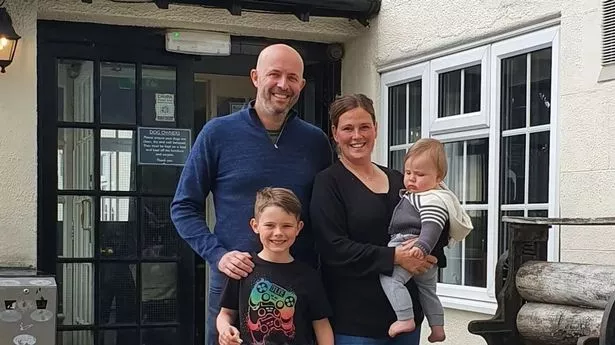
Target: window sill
<point x="482" y="307"/>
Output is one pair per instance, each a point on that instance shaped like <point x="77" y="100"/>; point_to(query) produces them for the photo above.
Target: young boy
<point x="282" y="302"/>
<point x="425" y="208"/>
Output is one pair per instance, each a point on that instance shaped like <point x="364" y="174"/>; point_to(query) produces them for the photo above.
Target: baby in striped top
<point x="427" y="214"/>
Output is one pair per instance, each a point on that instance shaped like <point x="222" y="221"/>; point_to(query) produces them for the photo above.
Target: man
<point x="234" y="156"/>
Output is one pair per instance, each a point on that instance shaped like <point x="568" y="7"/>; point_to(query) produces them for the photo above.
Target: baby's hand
<point x="230" y="337"/>
<point x="417" y="253"/>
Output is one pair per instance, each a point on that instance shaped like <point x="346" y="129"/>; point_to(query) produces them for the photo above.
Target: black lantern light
<point x="8" y="39"/>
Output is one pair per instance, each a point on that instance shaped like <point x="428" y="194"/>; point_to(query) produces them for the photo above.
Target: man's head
<point x="278" y="78"/>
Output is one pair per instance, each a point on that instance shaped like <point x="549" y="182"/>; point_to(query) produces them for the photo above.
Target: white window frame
<point x="478" y="119"/>
<point x="485" y="123"/>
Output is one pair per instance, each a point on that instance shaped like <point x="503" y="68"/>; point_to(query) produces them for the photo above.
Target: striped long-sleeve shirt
<point x="424" y="215"/>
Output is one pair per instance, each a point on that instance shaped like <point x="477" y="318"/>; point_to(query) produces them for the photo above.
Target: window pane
<point x="513" y="97"/>
<point x="415" y="111"/>
<point x="513" y="170"/>
<point x="75" y="338"/>
<point x="539" y="168"/>
<point x="396" y="160"/>
<point x="117" y="93"/>
<point x="449" y="93"/>
<point x="117" y="293"/>
<point x="160" y="238"/>
<point x="159" y="291"/>
<point x="75" y="91"/>
<point x="505" y="230"/>
<point x="76" y="293"/>
<point x="119" y="337"/>
<point x="537" y="213"/>
<point x="76" y="160"/>
<point x="471" y="89"/>
<point x="540" y="89"/>
<point x="118" y="227"/>
<point x="117" y="160"/>
<point x="476" y="251"/>
<point x="477" y="171"/>
<point x="158" y="96"/>
<point x="452" y="273"/>
<point x="160" y="336"/>
<point x="76" y="229"/>
<point x="454" y="177"/>
<point x="397" y="114"/>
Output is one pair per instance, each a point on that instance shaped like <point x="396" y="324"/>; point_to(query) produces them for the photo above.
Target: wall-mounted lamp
<point x="8" y="39"/>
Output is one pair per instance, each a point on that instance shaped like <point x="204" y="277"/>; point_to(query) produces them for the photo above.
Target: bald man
<point x="264" y="144"/>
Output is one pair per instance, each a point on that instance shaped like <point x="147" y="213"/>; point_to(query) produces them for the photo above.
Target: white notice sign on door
<point x="165" y="107"/>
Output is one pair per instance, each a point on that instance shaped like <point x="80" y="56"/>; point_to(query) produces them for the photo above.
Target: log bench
<point x="542" y="302"/>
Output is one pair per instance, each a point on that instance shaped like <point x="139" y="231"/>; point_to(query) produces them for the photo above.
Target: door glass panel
<point x="159" y="291"/>
<point x="514" y="86"/>
<point x="75" y="338"/>
<point x="118" y="337"/>
<point x="471" y="89"/>
<point x="160" y="336"/>
<point x="76" y="294"/>
<point x="505" y="230"/>
<point x="75" y="91"/>
<point x="159" y="179"/>
<point x="117" y="93"/>
<point x="118" y="227"/>
<point x="118" y="293"/>
<point x="158" y="96"/>
<point x="117" y="160"/>
<point x="537" y="213"/>
<point x="75" y="226"/>
<point x="159" y="236"/>
<point x="452" y="273"/>
<point x="75" y="158"/>
<point x="415" y="110"/>
<point x="454" y="177"/>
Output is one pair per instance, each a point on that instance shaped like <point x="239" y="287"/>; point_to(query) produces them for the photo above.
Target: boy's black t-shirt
<point x="277" y="303"/>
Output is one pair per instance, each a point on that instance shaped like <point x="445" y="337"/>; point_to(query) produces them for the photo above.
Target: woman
<point x="351" y="206"/>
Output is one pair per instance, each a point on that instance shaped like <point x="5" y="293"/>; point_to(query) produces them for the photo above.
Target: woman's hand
<point x="416" y="266"/>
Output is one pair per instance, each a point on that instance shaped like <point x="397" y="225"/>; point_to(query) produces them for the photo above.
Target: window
<point x="608" y="41"/>
<point x="494" y="108"/>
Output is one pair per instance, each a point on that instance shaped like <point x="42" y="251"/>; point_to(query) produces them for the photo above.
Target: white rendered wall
<point x="18" y="223"/>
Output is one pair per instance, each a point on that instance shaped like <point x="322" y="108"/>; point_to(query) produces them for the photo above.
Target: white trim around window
<point x="472" y="120"/>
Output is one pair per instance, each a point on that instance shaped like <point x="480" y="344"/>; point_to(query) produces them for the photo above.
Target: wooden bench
<point x="542" y="302"/>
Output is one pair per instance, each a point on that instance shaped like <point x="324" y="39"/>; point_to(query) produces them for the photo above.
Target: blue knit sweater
<point x="233" y="157"/>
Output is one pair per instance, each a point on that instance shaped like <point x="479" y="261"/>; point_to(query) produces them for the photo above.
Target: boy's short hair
<point x="435" y="149"/>
<point x="281" y="197"/>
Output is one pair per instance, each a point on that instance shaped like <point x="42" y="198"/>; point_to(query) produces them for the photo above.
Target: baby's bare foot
<point x="399" y="327"/>
<point x="437" y="334"/>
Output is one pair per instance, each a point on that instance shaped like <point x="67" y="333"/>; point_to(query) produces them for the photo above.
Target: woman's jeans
<point x="412" y="338"/>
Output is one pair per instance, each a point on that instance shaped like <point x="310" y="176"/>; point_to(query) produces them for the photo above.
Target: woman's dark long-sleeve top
<point x="350" y="225"/>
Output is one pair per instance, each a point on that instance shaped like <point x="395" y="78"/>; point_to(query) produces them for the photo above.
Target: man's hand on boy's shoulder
<point x="236" y="264"/>
<point x="230" y="336"/>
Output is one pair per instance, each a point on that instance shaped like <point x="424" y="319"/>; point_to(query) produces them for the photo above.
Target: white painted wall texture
<point x="407" y="30"/>
<point x="194" y="17"/>
<point x="18" y="143"/>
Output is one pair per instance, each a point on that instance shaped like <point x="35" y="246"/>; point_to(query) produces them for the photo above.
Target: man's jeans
<point x="216" y="284"/>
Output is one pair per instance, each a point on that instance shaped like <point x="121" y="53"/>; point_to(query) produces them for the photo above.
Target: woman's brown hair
<point x="346" y="103"/>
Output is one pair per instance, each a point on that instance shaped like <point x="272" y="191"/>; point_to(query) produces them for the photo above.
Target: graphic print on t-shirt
<point x="271" y="311"/>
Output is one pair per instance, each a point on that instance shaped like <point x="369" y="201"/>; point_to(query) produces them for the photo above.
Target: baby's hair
<point x="435" y="149"/>
<point x="280" y="197"/>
